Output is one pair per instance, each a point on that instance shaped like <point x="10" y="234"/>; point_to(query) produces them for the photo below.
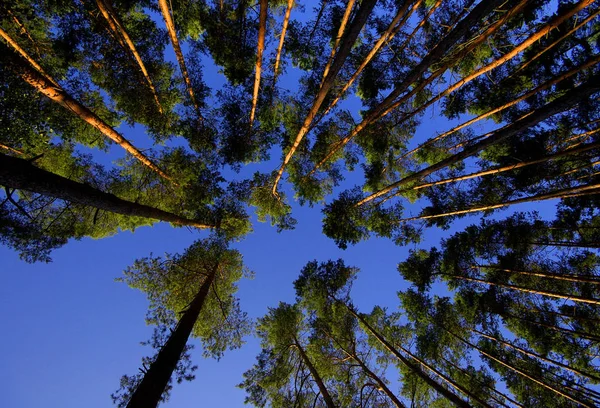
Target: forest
<point x="362" y="203"/>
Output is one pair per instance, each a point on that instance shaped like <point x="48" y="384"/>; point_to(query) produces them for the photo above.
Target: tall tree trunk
<point x="262" y="29"/>
<point x="558" y="41"/>
<point x="501" y="169"/>
<point x="21" y="174"/>
<point x="571" y="278"/>
<point x="390" y="103"/>
<point x="338" y="37"/>
<point x="535" y="355"/>
<point x="315" y="375"/>
<point x="117" y="27"/>
<point x="564" y="193"/>
<point x="148" y="392"/>
<point x="526" y="290"/>
<point x="560" y="104"/>
<point x="317" y="20"/>
<point x="46" y="87"/>
<point x="586" y="336"/>
<point x="26" y="56"/>
<point x="286" y="21"/>
<point x="455" y="399"/>
<point x="393" y="28"/>
<point x="340" y="57"/>
<point x="23" y="30"/>
<point x="520" y="372"/>
<point x="166" y="13"/>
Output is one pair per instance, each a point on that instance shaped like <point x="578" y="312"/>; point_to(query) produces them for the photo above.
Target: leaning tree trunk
<point x="50" y="89"/>
<point x="148" y="392"/>
<point x="286" y="21"/>
<point x="260" y="47"/>
<point x="22" y="175"/>
<point x="315" y="375"/>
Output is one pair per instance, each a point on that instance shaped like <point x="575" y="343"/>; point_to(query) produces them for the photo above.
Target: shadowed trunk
<point x="315" y="375"/>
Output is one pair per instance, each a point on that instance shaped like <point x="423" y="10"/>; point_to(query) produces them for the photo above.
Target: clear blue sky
<point x="70" y="331"/>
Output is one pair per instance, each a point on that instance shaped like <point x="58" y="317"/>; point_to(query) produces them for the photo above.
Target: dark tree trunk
<point x="22" y="175"/>
<point x="315" y="375"/>
<point x="149" y="391"/>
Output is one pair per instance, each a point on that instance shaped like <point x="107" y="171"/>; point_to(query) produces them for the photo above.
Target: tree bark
<point x="21" y="174"/>
<point x="560" y="104"/>
<point x="455" y="399"/>
<point x="315" y="375"/>
<point x="338" y="37"/>
<point x="564" y="193"/>
<point x="535" y="355"/>
<point x="46" y="87"/>
<point x="148" y="392"/>
<point x="286" y="21"/>
<point x="340" y="57"/>
<point x="520" y="372"/>
<point x="117" y="27"/>
<point x="166" y="13"/>
<point x="386" y="37"/>
<point x="389" y="103"/>
<point x="570" y="278"/>
<point x="555" y="328"/>
<point x="526" y="290"/>
<point x="262" y="29"/>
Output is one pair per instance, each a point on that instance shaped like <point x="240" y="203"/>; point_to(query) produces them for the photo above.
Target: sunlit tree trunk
<point x="286" y="20"/>
<point x="262" y="29"/>
<point x="46" y="87"/>
<point x="338" y="37"/>
<point x="148" y="392"/>
<point x="22" y="175"/>
<point x="570" y="278"/>
<point x="119" y="30"/>
<point x="166" y="13"/>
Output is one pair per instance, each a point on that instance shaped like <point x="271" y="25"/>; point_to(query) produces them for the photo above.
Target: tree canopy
<point x="112" y="119"/>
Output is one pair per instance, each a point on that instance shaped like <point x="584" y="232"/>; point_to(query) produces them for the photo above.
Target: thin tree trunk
<point x="338" y="37"/>
<point x="589" y="319"/>
<point x="389" y="103"/>
<point x="26" y="56"/>
<point x="46" y="87"/>
<point x="586" y="336"/>
<point x="21" y="174"/>
<point x="345" y="47"/>
<point x="560" y="104"/>
<point x="564" y="193"/>
<point x="506" y="397"/>
<point x="11" y="149"/>
<point x="520" y="372"/>
<point x="315" y="375"/>
<point x="166" y="13"/>
<point x="501" y="169"/>
<point x="455" y="399"/>
<point x="286" y="21"/>
<point x="570" y="278"/>
<point x="262" y="29"/>
<point x="317" y="21"/>
<point x="535" y="355"/>
<point x="117" y="27"/>
<point x="563" y="37"/>
<point x="544" y="30"/>
<point x="23" y="30"/>
<point x="386" y="37"/>
<point x="148" y="392"/>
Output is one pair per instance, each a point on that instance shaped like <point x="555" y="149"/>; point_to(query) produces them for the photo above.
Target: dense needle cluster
<point x="334" y="93"/>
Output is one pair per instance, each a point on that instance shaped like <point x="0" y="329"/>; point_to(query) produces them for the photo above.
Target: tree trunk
<point x="455" y="399"/>
<point x="388" y="104"/>
<point x="387" y="36"/>
<point x="338" y="37"/>
<point x="286" y="21"/>
<point x="570" y="278"/>
<point x="21" y="174"/>
<point x="497" y="170"/>
<point x="340" y="57"/>
<point x="46" y="87"/>
<point x="535" y="355"/>
<point x="560" y="104"/>
<point x="262" y="28"/>
<point x="526" y="290"/>
<point x="26" y="56"/>
<point x="148" y="392"/>
<point x="117" y="27"/>
<point x="166" y="13"/>
<point x="520" y="372"/>
<point x="315" y="375"/>
<point x="555" y="328"/>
